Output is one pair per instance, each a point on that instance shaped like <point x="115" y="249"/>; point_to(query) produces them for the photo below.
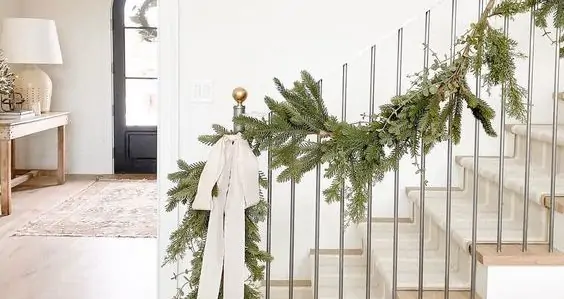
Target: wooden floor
<point x="66" y="267"/>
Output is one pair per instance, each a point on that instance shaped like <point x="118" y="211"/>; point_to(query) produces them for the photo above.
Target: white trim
<point x="168" y="127"/>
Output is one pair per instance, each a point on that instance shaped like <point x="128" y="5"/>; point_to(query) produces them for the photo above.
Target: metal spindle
<point x="555" y="101"/>
<point x="501" y="169"/>
<point x="397" y="176"/>
<point x="530" y="83"/>
<point x="369" y="205"/>
<point x="476" y="160"/>
<point x="342" y="203"/>
<point x="240" y="95"/>
<point x="292" y="238"/>
<point x="317" y="216"/>
<point x="269" y="218"/>
<point x="422" y="174"/>
<point x="449" y="161"/>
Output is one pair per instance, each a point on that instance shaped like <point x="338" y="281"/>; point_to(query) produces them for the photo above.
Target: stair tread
<point x="539" y="132"/>
<point x="513" y="255"/>
<point x="461" y="222"/>
<point x="408" y="276"/>
<point x="461" y="206"/>
<point x="349" y="293"/>
<point x="539" y="186"/>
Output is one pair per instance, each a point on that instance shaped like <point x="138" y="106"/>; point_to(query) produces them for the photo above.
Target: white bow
<point x="233" y="166"/>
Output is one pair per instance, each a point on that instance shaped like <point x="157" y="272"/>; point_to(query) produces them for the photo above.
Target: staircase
<point x="461" y="225"/>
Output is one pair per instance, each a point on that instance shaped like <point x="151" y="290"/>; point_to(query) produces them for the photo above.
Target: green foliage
<point x="188" y="240"/>
<point x="357" y="155"/>
<point x="147" y="33"/>
<point x="7" y="78"/>
<point x="547" y="13"/>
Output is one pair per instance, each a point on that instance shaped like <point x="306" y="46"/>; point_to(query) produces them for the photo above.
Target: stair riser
<point x="350" y="281"/>
<point x="382" y="239"/>
<point x="283" y="293"/>
<point x="458" y="256"/>
<point x="384" y="288"/>
<point x="333" y="293"/>
<point x="513" y="195"/>
<point x="458" y="247"/>
<point x="436" y="241"/>
<point x="541" y="153"/>
<point x="408" y="259"/>
<point x="513" y="206"/>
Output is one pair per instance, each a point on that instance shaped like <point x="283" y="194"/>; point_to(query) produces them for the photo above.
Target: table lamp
<point x="26" y="43"/>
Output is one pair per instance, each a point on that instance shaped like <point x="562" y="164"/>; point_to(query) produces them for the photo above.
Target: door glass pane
<point x="141" y="55"/>
<point x="141" y="102"/>
<point x="141" y="13"/>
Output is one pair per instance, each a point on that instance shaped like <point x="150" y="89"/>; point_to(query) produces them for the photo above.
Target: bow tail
<point x="212" y="263"/>
<point x="247" y="168"/>
<point x="235" y="271"/>
<point x="210" y="175"/>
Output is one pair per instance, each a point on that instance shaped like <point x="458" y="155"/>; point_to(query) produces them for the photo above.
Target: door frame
<point x="168" y="130"/>
<point x="122" y="161"/>
<point x="167" y="138"/>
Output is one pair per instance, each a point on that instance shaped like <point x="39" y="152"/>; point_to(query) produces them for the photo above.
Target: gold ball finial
<point x="240" y="95"/>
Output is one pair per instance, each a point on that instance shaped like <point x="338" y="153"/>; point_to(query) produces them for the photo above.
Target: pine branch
<point x="147" y="32"/>
<point x="7" y="78"/>
<point x="361" y="154"/>
<point x="188" y="239"/>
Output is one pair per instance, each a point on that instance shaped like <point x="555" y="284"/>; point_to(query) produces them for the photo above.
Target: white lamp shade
<point x="30" y="41"/>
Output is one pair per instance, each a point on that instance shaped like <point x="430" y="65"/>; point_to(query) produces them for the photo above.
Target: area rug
<point x="107" y="208"/>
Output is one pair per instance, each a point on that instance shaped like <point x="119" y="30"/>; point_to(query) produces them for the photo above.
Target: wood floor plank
<point x="70" y="267"/>
<point x="536" y="254"/>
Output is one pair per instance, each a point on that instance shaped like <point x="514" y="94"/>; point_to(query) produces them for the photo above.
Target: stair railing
<point x="422" y="180"/>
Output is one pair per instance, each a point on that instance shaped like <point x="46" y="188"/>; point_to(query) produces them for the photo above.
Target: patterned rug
<point x="107" y="208"/>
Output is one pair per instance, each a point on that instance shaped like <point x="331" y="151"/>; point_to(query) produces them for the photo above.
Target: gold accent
<point x="240" y="95"/>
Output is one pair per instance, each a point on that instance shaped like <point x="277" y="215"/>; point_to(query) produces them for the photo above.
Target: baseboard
<point x="151" y="177"/>
<point x="102" y="176"/>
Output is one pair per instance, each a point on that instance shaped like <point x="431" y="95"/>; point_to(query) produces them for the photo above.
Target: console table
<point x="13" y="129"/>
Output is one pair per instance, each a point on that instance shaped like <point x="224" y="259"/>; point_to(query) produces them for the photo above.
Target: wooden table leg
<point x="13" y="158"/>
<point x="62" y="156"/>
<point x="5" y="176"/>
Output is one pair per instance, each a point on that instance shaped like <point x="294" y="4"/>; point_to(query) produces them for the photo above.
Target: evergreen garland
<point x="190" y="236"/>
<point x="147" y="32"/>
<point x="7" y="78"/>
<point x="360" y="154"/>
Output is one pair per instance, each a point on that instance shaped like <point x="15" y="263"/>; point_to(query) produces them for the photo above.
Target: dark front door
<point x="135" y="46"/>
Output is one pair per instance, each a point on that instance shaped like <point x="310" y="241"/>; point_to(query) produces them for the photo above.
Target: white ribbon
<point x="233" y="166"/>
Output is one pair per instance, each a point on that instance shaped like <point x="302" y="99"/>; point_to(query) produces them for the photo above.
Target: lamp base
<point x="36" y="88"/>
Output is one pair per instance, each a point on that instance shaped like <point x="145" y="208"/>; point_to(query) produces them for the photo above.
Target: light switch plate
<point x="202" y="91"/>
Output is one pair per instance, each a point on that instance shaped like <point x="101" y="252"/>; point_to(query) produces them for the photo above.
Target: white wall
<point x="168" y="130"/>
<point x="82" y="85"/>
<point x="249" y="42"/>
<point x="9" y="8"/>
